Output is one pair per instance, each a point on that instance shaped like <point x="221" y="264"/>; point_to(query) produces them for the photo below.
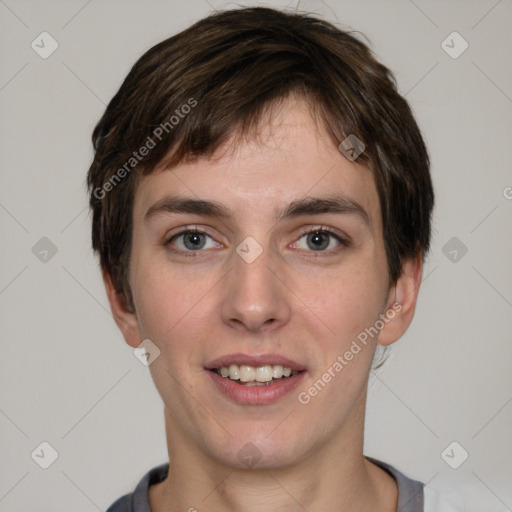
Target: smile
<point x="255" y="379"/>
<point x="262" y="375"/>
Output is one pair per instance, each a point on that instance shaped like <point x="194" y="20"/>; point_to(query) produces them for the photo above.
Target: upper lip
<point x="255" y="361"/>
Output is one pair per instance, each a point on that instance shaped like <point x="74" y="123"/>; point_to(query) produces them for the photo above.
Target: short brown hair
<point x="188" y="94"/>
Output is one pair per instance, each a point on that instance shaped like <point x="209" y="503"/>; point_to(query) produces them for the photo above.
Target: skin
<point x="304" y="304"/>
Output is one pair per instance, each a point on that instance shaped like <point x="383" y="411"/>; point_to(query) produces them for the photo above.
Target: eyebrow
<point x="305" y="206"/>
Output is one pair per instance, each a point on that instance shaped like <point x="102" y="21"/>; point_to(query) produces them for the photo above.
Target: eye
<point x="191" y="240"/>
<point x="320" y="240"/>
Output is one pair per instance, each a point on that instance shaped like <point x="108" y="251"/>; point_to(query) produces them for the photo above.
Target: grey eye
<point x="194" y="241"/>
<point x="318" y="241"/>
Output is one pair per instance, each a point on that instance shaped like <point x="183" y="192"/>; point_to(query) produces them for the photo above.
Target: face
<point x="264" y="262"/>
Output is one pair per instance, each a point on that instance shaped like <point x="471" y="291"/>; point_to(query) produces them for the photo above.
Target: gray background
<point x="68" y="378"/>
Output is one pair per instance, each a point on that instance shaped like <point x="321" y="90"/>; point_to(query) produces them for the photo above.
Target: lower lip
<point x="256" y="395"/>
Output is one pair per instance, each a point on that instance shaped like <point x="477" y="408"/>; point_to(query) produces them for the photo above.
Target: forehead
<point x="290" y="157"/>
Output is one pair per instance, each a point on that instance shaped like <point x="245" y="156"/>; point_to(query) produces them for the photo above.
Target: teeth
<point x="255" y="375"/>
<point x="277" y="371"/>
<point x="263" y="373"/>
<point x="247" y="373"/>
<point x="234" y="372"/>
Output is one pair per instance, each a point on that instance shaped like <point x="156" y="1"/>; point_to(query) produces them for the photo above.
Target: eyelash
<point x="345" y="242"/>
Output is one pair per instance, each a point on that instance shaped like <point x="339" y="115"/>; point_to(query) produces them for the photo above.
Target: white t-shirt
<point x="458" y="500"/>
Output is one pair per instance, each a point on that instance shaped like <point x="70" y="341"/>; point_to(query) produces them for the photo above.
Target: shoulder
<point x="123" y="504"/>
<point x="138" y="500"/>
<point x="410" y="492"/>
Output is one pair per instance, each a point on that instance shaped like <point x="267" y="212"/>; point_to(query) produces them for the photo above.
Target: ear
<point x="125" y="319"/>
<point x="402" y="302"/>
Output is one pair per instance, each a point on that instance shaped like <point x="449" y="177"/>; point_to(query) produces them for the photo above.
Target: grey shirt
<point x="410" y="492"/>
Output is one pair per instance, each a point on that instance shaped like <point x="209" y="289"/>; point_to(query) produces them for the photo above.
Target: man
<point x="261" y="203"/>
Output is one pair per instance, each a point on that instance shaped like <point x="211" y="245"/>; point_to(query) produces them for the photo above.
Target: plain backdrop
<point x="68" y="378"/>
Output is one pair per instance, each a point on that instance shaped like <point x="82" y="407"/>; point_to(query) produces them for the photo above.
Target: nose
<point x="255" y="298"/>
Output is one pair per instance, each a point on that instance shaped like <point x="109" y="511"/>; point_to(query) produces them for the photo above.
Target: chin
<point x="261" y="451"/>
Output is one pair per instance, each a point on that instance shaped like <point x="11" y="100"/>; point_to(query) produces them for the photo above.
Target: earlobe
<point x="402" y="302"/>
<point x="125" y="319"/>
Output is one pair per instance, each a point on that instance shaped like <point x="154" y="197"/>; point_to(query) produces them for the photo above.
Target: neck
<point x="335" y="477"/>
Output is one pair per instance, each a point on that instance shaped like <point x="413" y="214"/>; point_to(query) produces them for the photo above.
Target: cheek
<point x="172" y="309"/>
<point x="346" y="300"/>
<point x="349" y="305"/>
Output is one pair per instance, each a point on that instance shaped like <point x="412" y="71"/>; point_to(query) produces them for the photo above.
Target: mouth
<point x="263" y="375"/>
<point x="255" y="380"/>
